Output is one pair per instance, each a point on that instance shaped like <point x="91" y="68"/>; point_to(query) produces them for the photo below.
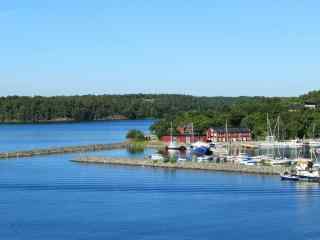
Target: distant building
<point x="212" y="135"/>
<point x="232" y="134"/>
<point x="310" y="106"/>
<point x="184" y="139"/>
<point x="296" y="107"/>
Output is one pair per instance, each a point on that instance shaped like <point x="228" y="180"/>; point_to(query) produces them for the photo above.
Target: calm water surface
<point x="50" y="197"/>
<point x="29" y="136"/>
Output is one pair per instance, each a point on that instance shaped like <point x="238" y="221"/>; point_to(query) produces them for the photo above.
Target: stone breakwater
<point x="226" y="167"/>
<point x="63" y="150"/>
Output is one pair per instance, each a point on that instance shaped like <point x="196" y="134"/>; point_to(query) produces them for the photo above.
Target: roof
<point x="231" y="130"/>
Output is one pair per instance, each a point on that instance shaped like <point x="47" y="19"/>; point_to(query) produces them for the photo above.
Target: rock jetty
<point x="63" y="150"/>
<point x="226" y="167"/>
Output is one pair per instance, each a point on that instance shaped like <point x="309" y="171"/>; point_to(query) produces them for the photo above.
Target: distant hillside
<point x="203" y="111"/>
<point x="312" y="97"/>
<point x="299" y="116"/>
<point x="91" y="107"/>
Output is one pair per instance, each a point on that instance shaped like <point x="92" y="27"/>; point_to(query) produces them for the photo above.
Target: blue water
<point x="50" y="197"/>
<point x="29" y="136"/>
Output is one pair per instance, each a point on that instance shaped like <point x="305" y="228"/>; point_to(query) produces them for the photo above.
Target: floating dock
<point x="226" y="167"/>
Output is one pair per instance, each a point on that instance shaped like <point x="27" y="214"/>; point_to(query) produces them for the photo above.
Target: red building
<point x="234" y="134"/>
<point x="187" y="139"/>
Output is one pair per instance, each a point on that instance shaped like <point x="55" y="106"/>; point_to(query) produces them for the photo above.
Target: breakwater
<point x="226" y="167"/>
<point x="64" y="150"/>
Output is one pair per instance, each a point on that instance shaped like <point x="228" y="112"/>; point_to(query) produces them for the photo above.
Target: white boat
<point x="307" y="171"/>
<point x="204" y="158"/>
<point x="276" y="162"/>
<point x="246" y="159"/>
<point x="288" y="177"/>
<point x="200" y="144"/>
<point x="157" y="157"/>
<point x="172" y="145"/>
<point x="313" y="144"/>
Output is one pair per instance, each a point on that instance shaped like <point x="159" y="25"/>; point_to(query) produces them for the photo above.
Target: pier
<point x="225" y="167"/>
<point x="63" y="150"/>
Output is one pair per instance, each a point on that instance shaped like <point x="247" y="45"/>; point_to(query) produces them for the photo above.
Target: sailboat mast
<point x="313" y="130"/>
<point x="279" y="128"/>
<point x="171" y="138"/>
<point x="227" y="134"/>
<point x="192" y="132"/>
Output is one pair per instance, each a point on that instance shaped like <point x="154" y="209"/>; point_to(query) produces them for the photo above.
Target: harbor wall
<point x="63" y="150"/>
<point x="226" y="167"/>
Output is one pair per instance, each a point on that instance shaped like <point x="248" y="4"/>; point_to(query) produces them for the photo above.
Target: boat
<point x="313" y="144"/>
<point x="284" y="161"/>
<point x="181" y="159"/>
<point x="288" y="177"/>
<point x="204" y="158"/>
<point x="172" y="145"/>
<point x="200" y="144"/>
<point x="200" y="151"/>
<point x="157" y="157"/>
<point x="305" y="170"/>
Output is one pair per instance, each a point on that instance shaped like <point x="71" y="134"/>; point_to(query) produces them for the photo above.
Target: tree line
<point x="101" y="107"/>
<point x="204" y="112"/>
<point x="295" y="120"/>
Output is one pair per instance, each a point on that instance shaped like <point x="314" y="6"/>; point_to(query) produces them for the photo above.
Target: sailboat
<point x="172" y="145"/>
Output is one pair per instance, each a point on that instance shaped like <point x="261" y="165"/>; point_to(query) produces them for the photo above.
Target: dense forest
<point x="92" y="107"/>
<point x="297" y="120"/>
<point x="299" y="117"/>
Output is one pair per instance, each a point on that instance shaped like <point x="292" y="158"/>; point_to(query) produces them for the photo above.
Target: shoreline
<point x="74" y="149"/>
<point x="222" y="167"/>
<point x="16" y="122"/>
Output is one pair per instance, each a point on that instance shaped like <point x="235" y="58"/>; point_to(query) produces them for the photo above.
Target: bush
<point x="135" y="135"/>
<point x="136" y="146"/>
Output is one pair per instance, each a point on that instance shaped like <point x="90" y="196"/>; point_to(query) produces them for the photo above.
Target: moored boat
<point x="288" y="177"/>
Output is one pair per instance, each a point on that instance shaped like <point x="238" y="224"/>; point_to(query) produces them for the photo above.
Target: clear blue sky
<point x="200" y="47"/>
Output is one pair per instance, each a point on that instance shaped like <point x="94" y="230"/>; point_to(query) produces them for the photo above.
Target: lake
<point x="49" y="197"/>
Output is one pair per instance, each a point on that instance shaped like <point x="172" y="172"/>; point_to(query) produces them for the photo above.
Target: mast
<point x="278" y="127"/>
<point x="227" y="134"/>
<point x="227" y="137"/>
<point x="171" y="138"/>
<point x="313" y="130"/>
<point x="192" y="133"/>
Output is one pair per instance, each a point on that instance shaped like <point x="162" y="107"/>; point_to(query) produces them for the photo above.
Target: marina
<point x="130" y="182"/>
<point x="159" y="120"/>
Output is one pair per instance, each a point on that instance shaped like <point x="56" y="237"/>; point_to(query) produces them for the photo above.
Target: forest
<point x="296" y="118"/>
<point x="299" y="117"/>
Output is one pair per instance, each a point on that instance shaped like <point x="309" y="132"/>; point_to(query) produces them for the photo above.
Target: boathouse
<point x="230" y="134"/>
<point x="183" y="139"/>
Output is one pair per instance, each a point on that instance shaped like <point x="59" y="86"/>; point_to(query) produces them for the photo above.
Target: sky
<point x="198" y="47"/>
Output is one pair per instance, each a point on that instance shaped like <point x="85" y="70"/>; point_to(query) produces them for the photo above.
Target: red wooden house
<point x="231" y="134"/>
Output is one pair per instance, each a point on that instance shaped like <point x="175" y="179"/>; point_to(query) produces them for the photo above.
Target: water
<point x="29" y="136"/>
<point x="49" y="197"/>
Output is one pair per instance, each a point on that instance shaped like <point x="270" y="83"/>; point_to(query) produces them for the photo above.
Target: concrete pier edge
<point x="225" y="167"/>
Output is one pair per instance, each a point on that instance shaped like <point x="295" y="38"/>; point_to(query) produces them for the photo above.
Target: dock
<point x="208" y="166"/>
